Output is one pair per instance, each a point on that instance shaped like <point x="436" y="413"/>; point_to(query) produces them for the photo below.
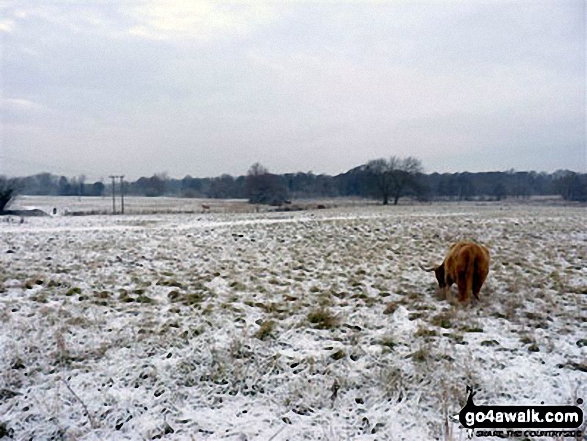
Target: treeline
<point x="47" y="184"/>
<point x="260" y="186"/>
<point x="360" y="182"/>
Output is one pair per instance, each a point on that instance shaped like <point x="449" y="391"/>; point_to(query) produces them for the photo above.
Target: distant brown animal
<point x="205" y="207"/>
<point x="467" y="265"/>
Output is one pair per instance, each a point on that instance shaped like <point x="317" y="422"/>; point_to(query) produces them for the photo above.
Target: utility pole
<point x="114" y="177"/>
<point x="122" y="193"/>
<point x="113" y="193"/>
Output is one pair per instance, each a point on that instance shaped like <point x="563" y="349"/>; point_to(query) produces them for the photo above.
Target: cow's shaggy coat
<point x="467" y="265"/>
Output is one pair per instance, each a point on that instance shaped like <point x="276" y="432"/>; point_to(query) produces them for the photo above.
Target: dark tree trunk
<point x="5" y="198"/>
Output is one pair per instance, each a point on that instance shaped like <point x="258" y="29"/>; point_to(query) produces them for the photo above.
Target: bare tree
<point x="7" y="192"/>
<point x="156" y="185"/>
<point x="257" y="170"/>
<point x="221" y="187"/>
<point x="81" y="182"/>
<point x="392" y="177"/>
<point x="572" y="186"/>
<point x="379" y="173"/>
<point x="405" y="172"/>
<point x="262" y="187"/>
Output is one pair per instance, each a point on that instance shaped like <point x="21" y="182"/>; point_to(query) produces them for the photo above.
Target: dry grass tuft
<point x="323" y="319"/>
<point x="445" y="319"/>
<point x="265" y="330"/>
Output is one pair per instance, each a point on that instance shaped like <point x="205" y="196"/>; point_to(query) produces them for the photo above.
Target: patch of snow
<point x="146" y="327"/>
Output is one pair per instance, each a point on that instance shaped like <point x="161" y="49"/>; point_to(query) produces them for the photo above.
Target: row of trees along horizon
<point x="383" y="179"/>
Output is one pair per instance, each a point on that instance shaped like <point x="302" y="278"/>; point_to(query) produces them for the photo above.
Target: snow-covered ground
<point x="67" y="205"/>
<point x="132" y="204"/>
<point x="316" y="325"/>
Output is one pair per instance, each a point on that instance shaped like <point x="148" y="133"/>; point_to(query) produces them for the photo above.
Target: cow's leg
<point x="448" y="282"/>
<point x="478" y="281"/>
<point x="476" y="287"/>
<point x="463" y="298"/>
<point x="462" y="284"/>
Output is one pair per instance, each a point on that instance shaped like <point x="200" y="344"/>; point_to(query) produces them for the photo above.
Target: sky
<point x="202" y="88"/>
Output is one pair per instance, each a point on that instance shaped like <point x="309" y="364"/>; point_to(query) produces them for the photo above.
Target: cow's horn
<point x="427" y="269"/>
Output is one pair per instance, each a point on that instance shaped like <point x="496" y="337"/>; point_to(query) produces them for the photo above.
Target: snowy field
<point x="313" y="325"/>
<point x="69" y="205"/>
<point x="132" y="204"/>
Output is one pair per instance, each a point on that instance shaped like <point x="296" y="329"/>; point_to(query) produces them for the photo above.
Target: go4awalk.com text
<point x="528" y="433"/>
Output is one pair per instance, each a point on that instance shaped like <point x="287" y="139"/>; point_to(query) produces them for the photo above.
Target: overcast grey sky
<point x="209" y="87"/>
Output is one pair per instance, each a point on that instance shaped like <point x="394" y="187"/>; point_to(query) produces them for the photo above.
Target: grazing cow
<point x="467" y="265"/>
